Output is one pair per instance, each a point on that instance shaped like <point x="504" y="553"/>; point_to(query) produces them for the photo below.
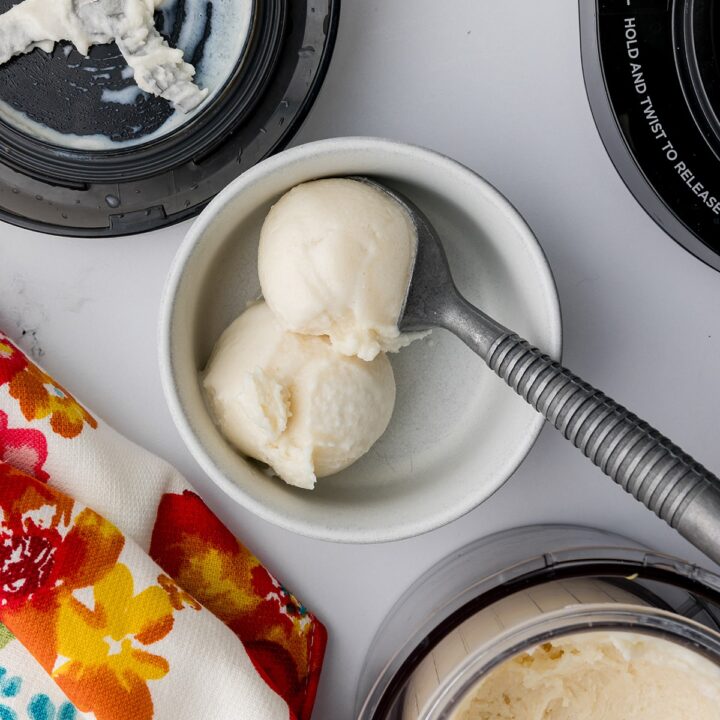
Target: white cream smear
<point x="157" y="68"/>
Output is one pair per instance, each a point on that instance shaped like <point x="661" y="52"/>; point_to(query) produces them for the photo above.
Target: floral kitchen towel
<point x="118" y="580"/>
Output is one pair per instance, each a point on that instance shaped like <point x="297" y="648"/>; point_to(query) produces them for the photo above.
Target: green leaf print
<point x="5" y="636"/>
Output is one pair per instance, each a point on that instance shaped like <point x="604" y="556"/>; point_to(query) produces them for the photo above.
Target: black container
<point x="170" y="177"/>
<point x="652" y="72"/>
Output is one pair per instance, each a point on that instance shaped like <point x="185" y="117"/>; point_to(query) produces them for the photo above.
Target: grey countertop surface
<point x="498" y="86"/>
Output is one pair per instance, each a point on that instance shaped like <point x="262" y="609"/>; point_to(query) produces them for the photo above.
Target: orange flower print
<point x="39" y="395"/>
<point x="89" y="550"/>
<point x="69" y="601"/>
<point x="179" y="599"/>
<point x="46" y="554"/>
<point x="102" y="664"/>
<point x="285" y="642"/>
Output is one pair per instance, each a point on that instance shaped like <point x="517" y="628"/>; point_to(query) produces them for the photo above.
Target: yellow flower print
<point x="102" y="665"/>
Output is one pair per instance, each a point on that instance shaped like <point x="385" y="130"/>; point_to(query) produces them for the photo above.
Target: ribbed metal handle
<point x="637" y="457"/>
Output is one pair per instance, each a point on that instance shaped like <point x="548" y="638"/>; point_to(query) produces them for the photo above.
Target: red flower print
<point x="46" y="553"/>
<point x="40" y="549"/>
<point x="21" y="495"/>
<point x="268" y="588"/>
<point x="27" y="562"/>
<point x="277" y="667"/>
<point x="285" y="642"/>
<point x="99" y="652"/>
<point x="12" y="360"/>
<point x="89" y="551"/>
<point x="29" y="536"/>
<point x="23" y="448"/>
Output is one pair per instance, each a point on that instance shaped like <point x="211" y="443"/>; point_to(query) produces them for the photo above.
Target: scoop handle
<point x="636" y="456"/>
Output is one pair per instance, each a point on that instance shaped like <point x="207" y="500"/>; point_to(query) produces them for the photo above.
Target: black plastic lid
<point x="171" y="177"/>
<point x="652" y="72"/>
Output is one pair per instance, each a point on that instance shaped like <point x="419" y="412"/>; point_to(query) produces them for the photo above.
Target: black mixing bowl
<point x="142" y="177"/>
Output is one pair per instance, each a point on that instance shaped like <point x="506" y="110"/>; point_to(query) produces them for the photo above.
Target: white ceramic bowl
<point x="457" y="433"/>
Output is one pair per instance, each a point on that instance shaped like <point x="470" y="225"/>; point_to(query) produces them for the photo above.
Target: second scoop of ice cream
<point x="335" y="259"/>
<point x="294" y="403"/>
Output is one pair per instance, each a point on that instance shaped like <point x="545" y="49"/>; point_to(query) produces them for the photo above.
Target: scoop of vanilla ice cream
<point x="599" y="676"/>
<point x="335" y="259"/>
<point x="292" y="401"/>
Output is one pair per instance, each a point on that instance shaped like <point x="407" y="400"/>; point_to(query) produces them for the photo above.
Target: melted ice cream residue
<point x="157" y="68"/>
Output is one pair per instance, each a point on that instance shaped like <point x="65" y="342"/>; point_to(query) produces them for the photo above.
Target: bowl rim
<point x="270" y="166"/>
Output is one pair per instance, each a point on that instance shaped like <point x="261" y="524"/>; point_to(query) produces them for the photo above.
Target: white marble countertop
<point x="497" y="85"/>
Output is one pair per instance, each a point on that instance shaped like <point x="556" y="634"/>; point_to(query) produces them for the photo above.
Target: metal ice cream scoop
<point x="637" y="457"/>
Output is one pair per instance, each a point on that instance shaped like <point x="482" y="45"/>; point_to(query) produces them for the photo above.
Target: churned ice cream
<point x="157" y="68"/>
<point x="335" y="259"/>
<point x="599" y="676"/>
<point x="301" y="381"/>
<point x="292" y="401"/>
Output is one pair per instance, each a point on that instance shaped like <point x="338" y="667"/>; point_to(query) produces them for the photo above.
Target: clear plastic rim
<point x="624" y="618"/>
<point x="488" y="570"/>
